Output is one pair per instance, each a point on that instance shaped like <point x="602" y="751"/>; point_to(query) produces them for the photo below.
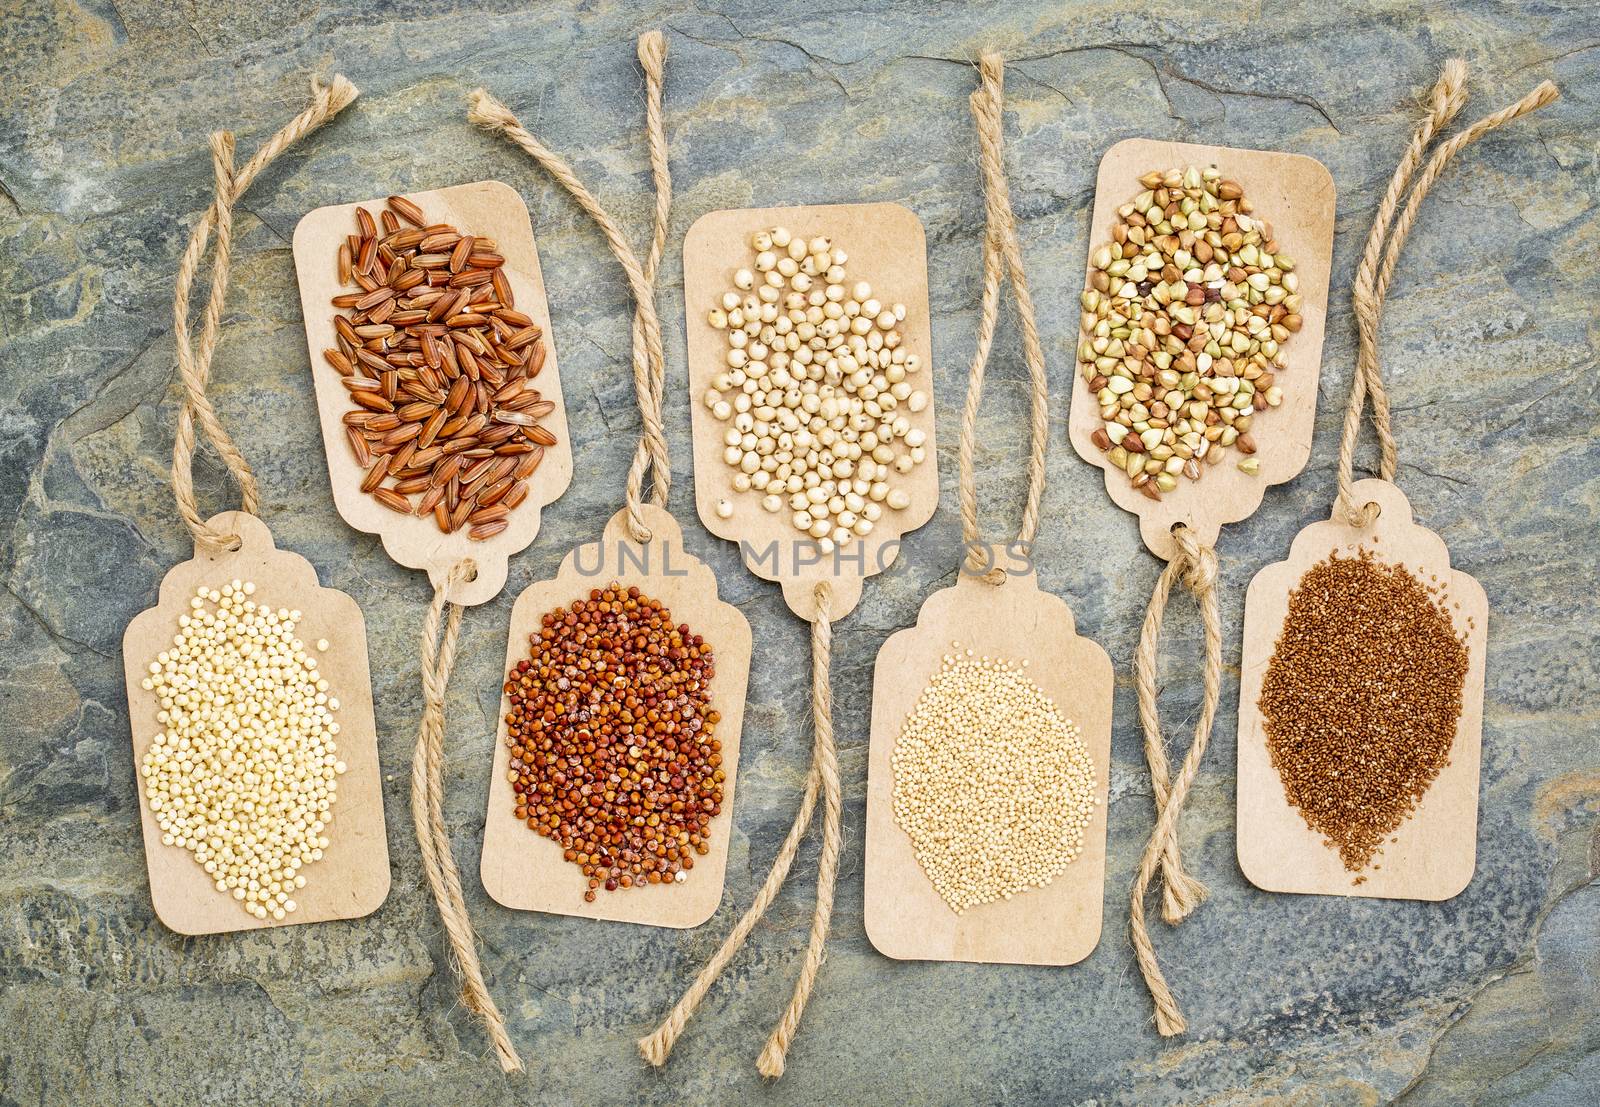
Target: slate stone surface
<point x="1490" y="342"/>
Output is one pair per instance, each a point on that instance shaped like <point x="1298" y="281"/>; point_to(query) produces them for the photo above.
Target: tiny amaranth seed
<point x="993" y="785"/>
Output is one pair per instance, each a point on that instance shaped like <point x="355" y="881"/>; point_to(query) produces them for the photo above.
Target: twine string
<point x="1000" y="244"/>
<point x="1195" y="567"/>
<point x="427" y="812"/>
<point x="1376" y="270"/>
<point x="821" y="779"/>
<point x="649" y="360"/>
<point x="194" y="364"/>
<point x="825" y="758"/>
<point x="651" y="458"/>
<point x="649" y="366"/>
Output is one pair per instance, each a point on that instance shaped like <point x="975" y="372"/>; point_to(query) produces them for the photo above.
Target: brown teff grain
<point x="1361" y="698"/>
<point x="440" y="367"/>
<point x="612" y="736"/>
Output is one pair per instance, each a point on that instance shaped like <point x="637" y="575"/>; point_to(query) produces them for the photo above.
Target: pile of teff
<point x="440" y="367"/>
<point x="612" y="737"/>
<point x="1362" y="699"/>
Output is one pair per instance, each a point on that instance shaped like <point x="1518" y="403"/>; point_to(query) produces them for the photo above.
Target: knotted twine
<point x="194" y="365"/>
<point x="1000" y="244"/>
<point x="649" y="360"/>
<point x="650" y="456"/>
<point x="427" y="812"/>
<point x="1446" y="100"/>
<point x="649" y="376"/>
<point x="822" y="777"/>
<point x="1196" y="565"/>
<point x="438" y="658"/>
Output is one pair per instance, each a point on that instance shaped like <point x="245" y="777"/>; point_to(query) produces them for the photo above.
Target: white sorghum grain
<point x="817" y="370"/>
<point x="993" y="785"/>
<point x="244" y="773"/>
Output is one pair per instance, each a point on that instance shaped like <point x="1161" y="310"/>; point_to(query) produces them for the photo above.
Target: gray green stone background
<point x="1489" y="339"/>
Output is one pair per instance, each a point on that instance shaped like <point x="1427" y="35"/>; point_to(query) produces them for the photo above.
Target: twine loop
<point x="194" y="363"/>
<point x="650" y="457"/>
<point x="438" y="659"/>
<point x="1000" y="248"/>
<point x="821" y="779"/>
<point x="1376" y="270"/>
<point x="649" y="360"/>
<point x="1194" y="566"/>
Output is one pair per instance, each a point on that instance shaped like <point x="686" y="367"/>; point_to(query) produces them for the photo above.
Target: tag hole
<point x="473" y="575"/>
<point x="1377" y="505"/>
<point x="234" y="543"/>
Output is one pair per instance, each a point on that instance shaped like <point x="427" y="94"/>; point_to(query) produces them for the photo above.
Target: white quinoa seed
<point x="817" y="390"/>
<point x="993" y="785"/>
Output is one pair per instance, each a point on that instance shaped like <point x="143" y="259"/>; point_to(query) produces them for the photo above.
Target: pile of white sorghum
<point x="992" y="784"/>
<point x="243" y="775"/>
<point x="817" y="391"/>
<point x="1183" y="327"/>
